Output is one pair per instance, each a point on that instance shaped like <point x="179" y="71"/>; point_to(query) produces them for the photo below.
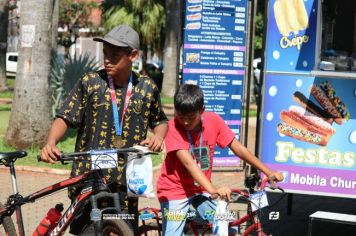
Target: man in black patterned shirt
<point x="100" y="98"/>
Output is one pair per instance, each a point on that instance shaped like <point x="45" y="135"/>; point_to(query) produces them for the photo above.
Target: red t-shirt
<point x="175" y="182"/>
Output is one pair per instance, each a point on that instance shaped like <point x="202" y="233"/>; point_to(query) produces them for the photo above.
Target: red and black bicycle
<point x="96" y="192"/>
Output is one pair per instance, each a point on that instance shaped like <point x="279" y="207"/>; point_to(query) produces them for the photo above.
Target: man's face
<point x="190" y="121"/>
<point x="118" y="60"/>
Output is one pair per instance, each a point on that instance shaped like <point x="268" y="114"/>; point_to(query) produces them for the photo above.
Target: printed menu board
<point x="214" y="58"/>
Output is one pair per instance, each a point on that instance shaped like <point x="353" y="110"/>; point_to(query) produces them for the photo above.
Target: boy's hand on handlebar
<point x="49" y="153"/>
<point x="154" y="143"/>
<point x="222" y="193"/>
<point x="276" y="176"/>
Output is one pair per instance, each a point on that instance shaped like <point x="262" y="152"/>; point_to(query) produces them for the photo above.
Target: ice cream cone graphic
<point x="290" y="15"/>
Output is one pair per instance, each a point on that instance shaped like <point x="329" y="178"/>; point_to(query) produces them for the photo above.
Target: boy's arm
<point x="50" y="152"/>
<point x="186" y="159"/>
<point x="155" y="142"/>
<point x="243" y="153"/>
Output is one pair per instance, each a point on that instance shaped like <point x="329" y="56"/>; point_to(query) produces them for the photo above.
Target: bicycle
<point x="96" y="192"/>
<point x="201" y="226"/>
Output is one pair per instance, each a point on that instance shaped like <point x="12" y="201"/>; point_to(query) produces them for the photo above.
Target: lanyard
<point x="192" y="145"/>
<point x="118" y="126"/>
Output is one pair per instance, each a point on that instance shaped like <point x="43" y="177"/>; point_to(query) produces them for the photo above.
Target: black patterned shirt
<point x="88" y="107"/>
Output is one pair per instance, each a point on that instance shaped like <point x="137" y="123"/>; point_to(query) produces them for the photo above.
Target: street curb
<point x="46" y="170"/>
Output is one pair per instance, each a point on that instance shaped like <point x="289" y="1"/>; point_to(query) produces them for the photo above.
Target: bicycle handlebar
<point x="237" y="193"/>
<point x="74" y="156"/>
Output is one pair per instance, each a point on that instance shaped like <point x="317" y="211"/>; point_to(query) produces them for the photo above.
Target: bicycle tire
<point x="150" y="229"/>
<point x="117" y="227"/>
<point x="8" y="225"/>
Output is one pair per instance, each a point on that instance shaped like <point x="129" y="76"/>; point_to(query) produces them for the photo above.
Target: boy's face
<point x="190" y="121"/>
<point x="116" y="59"/>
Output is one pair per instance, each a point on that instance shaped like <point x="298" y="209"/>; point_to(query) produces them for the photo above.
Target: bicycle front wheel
<point x="7" y="227"/>
<point x="116" y="227"/>
<point x="110" y="228"/>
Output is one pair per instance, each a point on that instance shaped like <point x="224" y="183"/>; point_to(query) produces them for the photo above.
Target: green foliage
<point x="145" y="16"/>
<point x="258" y="34"/>
<point x="72" y="16"/>
<point x="65" y="73"/>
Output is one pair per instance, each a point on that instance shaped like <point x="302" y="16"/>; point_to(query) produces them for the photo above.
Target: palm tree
<point x="4" y="15"/>
<point x="170" y="59"/>
<point x="31" y="110"/>
<point x="145" y="16"/>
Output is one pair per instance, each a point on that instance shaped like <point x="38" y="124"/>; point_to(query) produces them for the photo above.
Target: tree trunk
<point x="30" y="117"/>
<point x="4" y="17"/>
<point x="170" y="57"/>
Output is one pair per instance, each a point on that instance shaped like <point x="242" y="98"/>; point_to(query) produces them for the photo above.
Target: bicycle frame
<point x="15" y="201"/>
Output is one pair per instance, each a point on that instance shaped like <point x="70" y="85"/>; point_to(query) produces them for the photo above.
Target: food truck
<point x="308" y="109"/>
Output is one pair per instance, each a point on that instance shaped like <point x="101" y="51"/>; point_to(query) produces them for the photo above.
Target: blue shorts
<point x="174" y="212"/>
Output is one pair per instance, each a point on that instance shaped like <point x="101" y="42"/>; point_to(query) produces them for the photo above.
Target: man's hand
<point x="154" y="143"/>
<point x="49" y="153"/>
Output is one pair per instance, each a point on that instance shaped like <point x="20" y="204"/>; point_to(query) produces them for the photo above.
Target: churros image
<point x="325" y="102"/>
<point x="331" y="94"/>
<point x="310" y="106"/>
<point x="290" y="15"/>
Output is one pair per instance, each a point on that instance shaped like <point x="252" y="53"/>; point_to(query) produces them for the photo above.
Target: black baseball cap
<point x="121" y="36"/>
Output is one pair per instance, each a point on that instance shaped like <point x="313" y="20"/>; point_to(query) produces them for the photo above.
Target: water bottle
<point x="49" y="221"/>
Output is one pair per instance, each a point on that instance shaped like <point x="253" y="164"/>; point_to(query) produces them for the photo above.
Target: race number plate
<point x="258" y="200"/>
<point x="103" y="161"/>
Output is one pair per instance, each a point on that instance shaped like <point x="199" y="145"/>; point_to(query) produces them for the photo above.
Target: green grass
<point x="66" y="145"/>
<point x="6" y="94"/>
<point x="252" y="113"/>
<point x="167" y="100"/>
<point x="10" y="84"/>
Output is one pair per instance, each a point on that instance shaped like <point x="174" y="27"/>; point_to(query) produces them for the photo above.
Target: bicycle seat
<point x="8" y="157"/>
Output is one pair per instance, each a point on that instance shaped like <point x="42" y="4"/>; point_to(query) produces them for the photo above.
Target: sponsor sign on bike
<point x="214" y="58"/>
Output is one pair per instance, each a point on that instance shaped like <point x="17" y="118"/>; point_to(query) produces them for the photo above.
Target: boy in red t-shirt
<point x="186" y="172"/>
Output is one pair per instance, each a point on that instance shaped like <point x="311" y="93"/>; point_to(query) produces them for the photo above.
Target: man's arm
<point x="155" y="142"/>
<point x="50" y="152"/>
